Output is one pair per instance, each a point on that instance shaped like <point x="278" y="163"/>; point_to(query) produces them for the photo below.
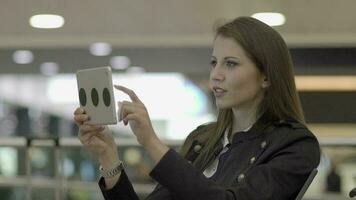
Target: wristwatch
<point x="107" y="173"/>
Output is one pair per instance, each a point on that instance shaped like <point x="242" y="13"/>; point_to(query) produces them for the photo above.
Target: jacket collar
<point x="246" y="135"/>
<point x="254" y="131"/>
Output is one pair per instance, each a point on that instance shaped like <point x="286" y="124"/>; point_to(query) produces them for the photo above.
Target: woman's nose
<point x="217" y="73"/>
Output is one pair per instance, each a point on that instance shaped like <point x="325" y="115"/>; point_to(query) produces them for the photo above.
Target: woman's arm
<point x="136" y="115"/>
<point x="99" y="141"/>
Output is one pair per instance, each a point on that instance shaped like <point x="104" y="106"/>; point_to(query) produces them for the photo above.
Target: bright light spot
<point x="47" y="21"/>
<point x="8" y="161"/>
<point x="100" y="49"/>
<point x="135" y="70"/>
<point x="132" y="156"/>
<point x="38" y="158"/>
<point x="22" y="57"/>
<point x="120" y="62"/>
<point x="62" y="89"/>
<point x="68" y="167"/>
<point x="49" y="68"/>
<point x="159" y="90"/>
<point x="272" y="19"/>
<point x="87" y="171"/>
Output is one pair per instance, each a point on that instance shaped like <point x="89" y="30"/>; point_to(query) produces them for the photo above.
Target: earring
<point x="264" y="84"/>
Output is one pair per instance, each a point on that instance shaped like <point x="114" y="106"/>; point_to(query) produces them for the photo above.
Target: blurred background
<point x="160" y="49"/>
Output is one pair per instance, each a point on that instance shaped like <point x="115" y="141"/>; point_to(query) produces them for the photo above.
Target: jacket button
<point x="240" y="177"/>
<point x="252" y="160"/>
<point x="263" y="144"/>
<point x="197" y="148"/>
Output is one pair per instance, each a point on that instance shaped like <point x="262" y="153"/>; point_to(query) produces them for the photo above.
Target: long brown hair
<point x="269" y="52"/>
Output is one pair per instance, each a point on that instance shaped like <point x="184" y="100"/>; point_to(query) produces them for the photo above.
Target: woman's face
<point x="234" y="78"/>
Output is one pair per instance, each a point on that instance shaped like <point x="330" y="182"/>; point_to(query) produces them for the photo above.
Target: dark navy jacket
<point x="267" y="165"/>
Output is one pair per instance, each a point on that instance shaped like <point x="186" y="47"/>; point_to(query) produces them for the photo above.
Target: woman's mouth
<point x="219" y="92"/>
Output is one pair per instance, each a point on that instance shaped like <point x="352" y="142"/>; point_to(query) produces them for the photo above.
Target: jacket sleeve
<point x="280" y="178"/>
<point x="122" y="190"/>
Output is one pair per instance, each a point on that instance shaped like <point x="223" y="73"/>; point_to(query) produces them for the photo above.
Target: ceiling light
<point x="46" y="21"/>
<point x="120" y="62"/>
<point x="22" y="57"/>
<point x="100" y="49"/>
<point x="326" y="83"/>
<point x="270" y="18"/>
<point x="49" y="68"/>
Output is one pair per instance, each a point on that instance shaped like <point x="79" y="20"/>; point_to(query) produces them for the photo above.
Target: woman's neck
<point x="243" y="120"/>
<point x="246" y="115"/>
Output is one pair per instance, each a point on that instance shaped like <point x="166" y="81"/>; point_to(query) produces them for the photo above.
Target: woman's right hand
<point x="97" y="139"/>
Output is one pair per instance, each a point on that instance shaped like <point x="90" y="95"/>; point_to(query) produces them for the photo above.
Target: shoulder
<point x="291" y="130"/>
<point x="199" y="134"/>
<point x="201" y="130"/>
<point x="196" y="137"/>
<point x="296" y="137"/>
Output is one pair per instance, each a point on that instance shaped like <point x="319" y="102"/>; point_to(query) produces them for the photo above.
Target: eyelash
<point x="230" y="64"/>
<point x="212" y="63"/>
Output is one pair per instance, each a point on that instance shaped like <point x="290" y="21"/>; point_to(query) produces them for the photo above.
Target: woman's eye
<point x="231" y="63"/>
<point x="213" y="63"/>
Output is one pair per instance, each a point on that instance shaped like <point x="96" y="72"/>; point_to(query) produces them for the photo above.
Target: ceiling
<point x="170" y="22"/>
<point x="160" y="35"/>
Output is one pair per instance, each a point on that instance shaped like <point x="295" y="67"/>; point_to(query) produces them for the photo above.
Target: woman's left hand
<point x="135" y="114"/>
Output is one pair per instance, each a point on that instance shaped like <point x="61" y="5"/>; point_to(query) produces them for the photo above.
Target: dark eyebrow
<point x="230" y="57"/>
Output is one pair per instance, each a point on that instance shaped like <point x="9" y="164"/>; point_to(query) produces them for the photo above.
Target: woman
<point x="259" y="147"/>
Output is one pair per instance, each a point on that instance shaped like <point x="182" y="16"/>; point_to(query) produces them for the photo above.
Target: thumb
<point x="119" y="113"/>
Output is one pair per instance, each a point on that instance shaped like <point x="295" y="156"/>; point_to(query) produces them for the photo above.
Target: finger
<point x="80" y="118"/>
<point x="84" y="129"/>
<point x="130" y="104"/>
<point x="129" y="109"/>
<point x="88" y="128"/>
<point x="134" y="104"/>
<point x="129" y="92"/>
<point x="119" y="113"/>
<point x="132" y="116"/>
<point x="79" y="110"/>
<point x="85" y="138"/>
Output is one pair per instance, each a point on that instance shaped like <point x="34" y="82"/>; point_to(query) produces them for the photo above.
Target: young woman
<point x="259" y="147"/>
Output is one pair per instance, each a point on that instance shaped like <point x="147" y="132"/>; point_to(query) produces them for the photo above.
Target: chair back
<point x="306" y="184"/>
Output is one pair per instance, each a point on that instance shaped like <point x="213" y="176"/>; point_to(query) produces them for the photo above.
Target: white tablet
<point x="96" y="95"/>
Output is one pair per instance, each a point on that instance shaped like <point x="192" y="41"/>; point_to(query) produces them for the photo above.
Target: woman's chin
<point x="222" y="106"/>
